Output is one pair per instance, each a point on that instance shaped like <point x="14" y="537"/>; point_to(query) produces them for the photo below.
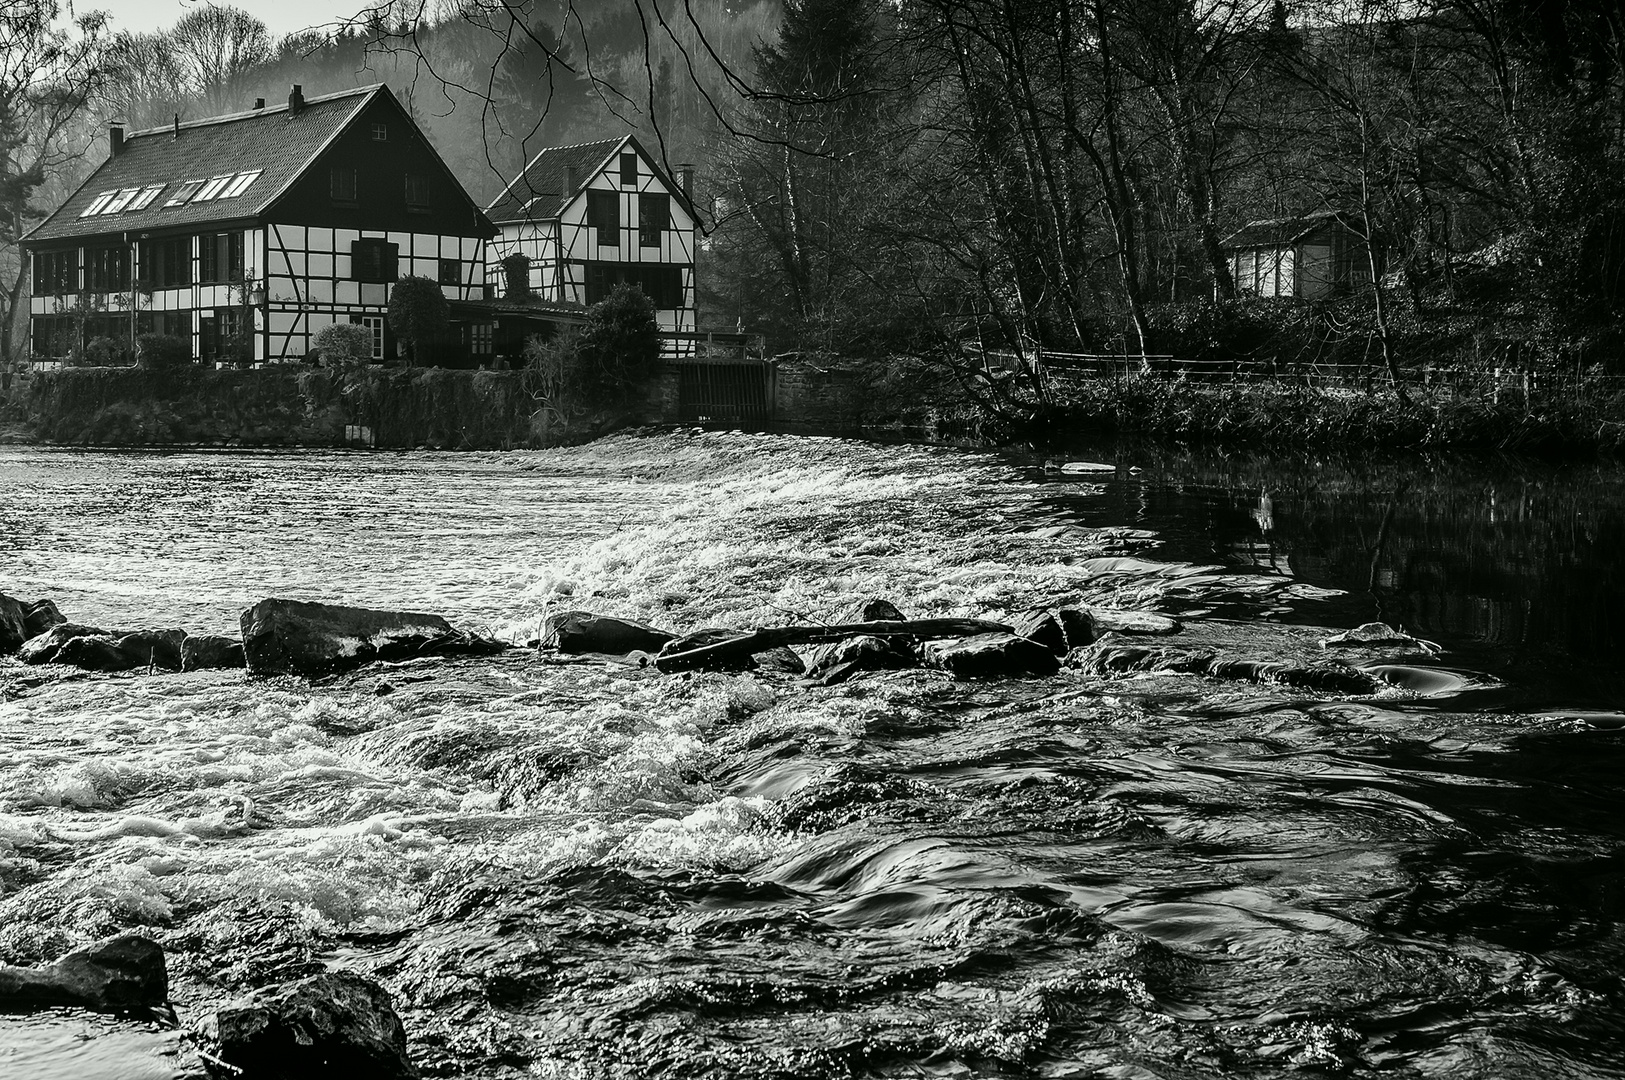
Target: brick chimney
<point x="685" y="178"/>
<point x="569" y="181"/>
<point x="296" y="99"/>
<point x="259" y="103"/>
<point x="115" y="139"/>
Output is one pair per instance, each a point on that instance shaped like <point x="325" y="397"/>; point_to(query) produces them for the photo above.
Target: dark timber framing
<point x="288" y="240"/>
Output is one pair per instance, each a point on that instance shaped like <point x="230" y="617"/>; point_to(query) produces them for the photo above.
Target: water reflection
<point x="1513" y="565"/>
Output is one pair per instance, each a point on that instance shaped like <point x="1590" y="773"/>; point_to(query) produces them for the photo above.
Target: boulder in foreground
<point x="43" y="648"/>
<point x="94" y="649"/>
<point x="991" y="656"/>
<point x="293" y="637"/>
<point x="585" y="632"/>
<point x="336" y="1024"/>
<point x="124" y="972"/>
<point x="200" y="652"/>
<point x="20" y="621"/>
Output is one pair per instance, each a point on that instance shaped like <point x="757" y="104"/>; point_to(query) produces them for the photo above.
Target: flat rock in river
<point x="293" y="637"/>
<point x="991" y="656"/>
<point x="1132" y="622"/>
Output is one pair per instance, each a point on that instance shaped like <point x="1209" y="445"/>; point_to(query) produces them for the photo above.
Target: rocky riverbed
<point x="1199" y="847"/>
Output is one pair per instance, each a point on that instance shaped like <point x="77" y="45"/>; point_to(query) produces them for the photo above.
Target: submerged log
<point x="725" y="653"/>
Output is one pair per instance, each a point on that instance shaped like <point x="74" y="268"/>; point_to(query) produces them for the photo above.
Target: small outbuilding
<point x="1306" y="257"/>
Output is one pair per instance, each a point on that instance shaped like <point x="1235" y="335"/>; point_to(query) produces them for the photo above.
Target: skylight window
<point x="98" y="204"/>
<point x="211" y="189"/>
<point x="121" y="200"/>
<point x="148" y="193"/>
<point x="187" y="190"/>
<point x="239" y="184"/>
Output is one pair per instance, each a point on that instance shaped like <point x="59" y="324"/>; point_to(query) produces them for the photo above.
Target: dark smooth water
<point x="1516" y="565"/>
<point x="593" y="871"/>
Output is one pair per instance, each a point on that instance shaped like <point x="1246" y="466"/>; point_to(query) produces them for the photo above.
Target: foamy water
<point x="590" y="869"/>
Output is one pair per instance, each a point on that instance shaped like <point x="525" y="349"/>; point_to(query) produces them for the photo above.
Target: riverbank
<point x="1290" y="416"/>
<point x="286" y="406"/>
<point x="437" y="408"/>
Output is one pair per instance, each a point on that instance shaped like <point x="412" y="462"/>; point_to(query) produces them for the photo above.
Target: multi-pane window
<point x="654" y="218"/>
<point x="223" y="336"/>
<point x="374" y="260"/>
<point x="375" y="326"/>
<point x="380" y="133"/>
<point x="166" y="263"/>
<point x="604" y="214"/>
<point x="220" y="258"/>
<point x="451" y="272"/>
<point x="341" y="183"/>
<point x="478" y="338"/>
<point x="107" y="269"/>
<point x="56" y="273"/>
<point x="417" y="191"/>
<point x="178" y="323"/>
<point x="629" y="170"/>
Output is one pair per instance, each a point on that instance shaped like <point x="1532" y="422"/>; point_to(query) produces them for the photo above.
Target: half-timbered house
<point x="581" y="219"/>
<point x="247" y="234"/>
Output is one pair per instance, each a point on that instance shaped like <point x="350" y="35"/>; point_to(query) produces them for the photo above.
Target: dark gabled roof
<point x="538" y="194"/>
<point x="275" y="140"/>
<point x="1283" y="232"/>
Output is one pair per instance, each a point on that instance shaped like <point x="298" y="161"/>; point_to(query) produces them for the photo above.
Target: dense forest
<point x="939" y="177"/>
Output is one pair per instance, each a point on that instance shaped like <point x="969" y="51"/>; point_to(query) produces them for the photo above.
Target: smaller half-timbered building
<point x="1304" y="257"/>
<point x="247" y="234"/>
<point x="581" y="219"/>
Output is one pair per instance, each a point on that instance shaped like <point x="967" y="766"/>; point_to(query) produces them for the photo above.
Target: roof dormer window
<point x="121" y="200"/>
<point x="239" y="184"/>
<point x="98" y="204"/>
<point x="148" y="193"/>
<point x="184" y="193"/>
<point x="212" y="189"/>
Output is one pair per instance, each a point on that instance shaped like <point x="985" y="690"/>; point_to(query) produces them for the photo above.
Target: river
<point x="591" y="870"/>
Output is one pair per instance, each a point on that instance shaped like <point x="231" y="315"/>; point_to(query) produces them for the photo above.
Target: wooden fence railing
<point x="1058" y="370"/>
